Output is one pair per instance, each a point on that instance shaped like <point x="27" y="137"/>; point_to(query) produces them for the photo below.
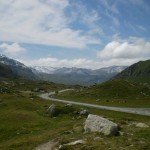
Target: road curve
<point x="140" y="111"/>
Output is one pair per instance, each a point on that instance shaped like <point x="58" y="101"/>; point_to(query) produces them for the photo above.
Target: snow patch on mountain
<point x="74" y="70"/>
<point x="113" y="69"/>
<point x="11" y="62"/>
<point x="45" y="69"/>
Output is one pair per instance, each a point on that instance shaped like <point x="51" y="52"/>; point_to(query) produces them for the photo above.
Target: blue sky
<point x="75" y="33"/>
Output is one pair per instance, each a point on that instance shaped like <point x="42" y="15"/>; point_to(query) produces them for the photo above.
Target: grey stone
<point x="96" y="123"/>
<point x="72" y="143"/>
<point x="142" y="125"/>
<point x="47" y="146"/>
<point x="52" y="109"/>
<point x="84" y="112"/>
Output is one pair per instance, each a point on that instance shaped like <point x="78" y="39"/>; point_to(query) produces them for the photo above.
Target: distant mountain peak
<point x="73" y="75"/>
<point x="113" y="69"/>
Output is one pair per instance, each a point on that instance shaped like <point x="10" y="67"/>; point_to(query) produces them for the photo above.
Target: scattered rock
<point x="142" y="125"/>
<point x="84" y="112"/>
<point x="52" y="110"/>
<point x="47" y="146"/>
<point x="68" y="105"/>
<point x="96" y="123"/>
<point x="72" y="143"/>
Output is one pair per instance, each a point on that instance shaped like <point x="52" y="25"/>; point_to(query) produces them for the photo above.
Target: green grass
<point x="24" y="122"/>
<point x="25" y="125"/>
<point x="111" y="93"/>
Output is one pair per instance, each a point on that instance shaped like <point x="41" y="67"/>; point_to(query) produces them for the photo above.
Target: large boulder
<point x="96" y="123"/>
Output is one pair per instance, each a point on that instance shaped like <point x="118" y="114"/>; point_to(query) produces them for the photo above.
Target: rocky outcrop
<point x="96" y="123"/>
<point x="52" y="110"/>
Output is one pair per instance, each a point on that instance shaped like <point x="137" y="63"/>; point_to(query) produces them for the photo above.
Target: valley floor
<point x="140" y="111"/>
<point x="25" y="125"/>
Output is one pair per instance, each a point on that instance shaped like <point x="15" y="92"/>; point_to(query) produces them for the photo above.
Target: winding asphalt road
<point x="140" y="111"/>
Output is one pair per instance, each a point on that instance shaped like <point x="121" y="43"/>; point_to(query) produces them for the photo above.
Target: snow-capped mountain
<point x="18" y="68"/>
<point x="10" y="62"/>
<point x="64" y="75"/>
<point x="79" y="76"/>
<point x="113" y="69"/>
<point x="79" y="71"/>
<point x="45" y="69"/>
<point x="73" y="70"/>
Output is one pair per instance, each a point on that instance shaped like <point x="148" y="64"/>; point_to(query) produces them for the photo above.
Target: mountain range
<point x="72" y="76"/>
<point x="138" y="72"/>
<point x="79" y="76"/>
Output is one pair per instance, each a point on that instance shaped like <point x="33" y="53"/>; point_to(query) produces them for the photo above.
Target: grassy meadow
<point x="117" y="93"/>
<point x="25" y="124"/>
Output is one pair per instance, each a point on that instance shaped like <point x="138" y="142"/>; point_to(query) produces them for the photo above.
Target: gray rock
<point x="47" y="146"/>
<point x="84" y="112"/>
<point x="69" y="105"/>
<point x="96" y="123"/>
<point x="72" y="143"/>
<point x="52" y="109"/>
<point x="142" y="125"/>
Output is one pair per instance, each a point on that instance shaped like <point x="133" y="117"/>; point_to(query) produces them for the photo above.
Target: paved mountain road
<point x="140" y="111"/>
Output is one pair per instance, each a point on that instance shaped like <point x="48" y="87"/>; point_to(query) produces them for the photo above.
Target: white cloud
<point x="13" y="49"/>
<point x="79" y="63"/>
<point x="40" y="22"/>
<point x="134" y="48"/>
<point x="110" y="7"/>
<point x="119" y="52"/>
<point x="54" y="62"/>
<point x="112" y="12"/>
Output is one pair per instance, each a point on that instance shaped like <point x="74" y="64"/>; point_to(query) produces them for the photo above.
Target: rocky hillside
<point x="11" y="67"/>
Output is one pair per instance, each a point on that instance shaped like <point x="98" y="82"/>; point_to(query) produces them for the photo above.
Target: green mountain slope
<point x="6" y="72"/>
<point x="138" y="72"/>
<point x="112" y="93"/>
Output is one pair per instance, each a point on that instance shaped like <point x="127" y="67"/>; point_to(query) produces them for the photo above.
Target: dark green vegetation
<point x="6" y="72"/>
<point x="21" y="85"/>
<point x="25" y="124"/>
<point x="112" y="93"/>
<point x="138" y="72"/>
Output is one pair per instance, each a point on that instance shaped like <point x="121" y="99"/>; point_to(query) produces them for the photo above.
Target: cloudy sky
<point x="75" y="33"/>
